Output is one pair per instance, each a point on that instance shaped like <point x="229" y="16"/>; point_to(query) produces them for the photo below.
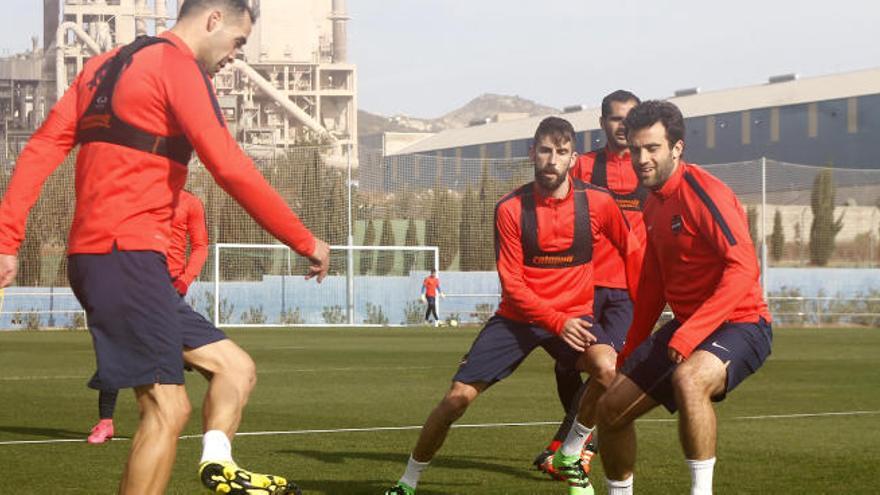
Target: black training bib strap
<point x="634" y="201"/>
<point x="581" y="250"/>
<point x="100" y="123"/>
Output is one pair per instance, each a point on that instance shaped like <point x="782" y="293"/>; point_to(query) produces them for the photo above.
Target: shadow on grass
<point x="377" y="487"/>
<point x="50" y="433"/>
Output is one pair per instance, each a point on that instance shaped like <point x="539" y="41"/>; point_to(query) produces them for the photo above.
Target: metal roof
<point x="790" y="92"/>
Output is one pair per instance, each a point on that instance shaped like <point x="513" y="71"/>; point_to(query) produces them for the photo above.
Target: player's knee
<point x="241" y="370"/>
<point x="456" y="402"/>
<point x="454" y="406"/>
<point x="605" y="373"/>
<point x="248" y="373"/>
<point x="688" y="382"/>
<point x="171" y="411"/>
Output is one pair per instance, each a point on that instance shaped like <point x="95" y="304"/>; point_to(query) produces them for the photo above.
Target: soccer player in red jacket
<point x="543" y="246"/>
<point x="430" y="290"/>
<point x="701" y="262"/>
<point x="609" y="168"/>
<point x="138" y="112"/>
<point x="188" y="222"/>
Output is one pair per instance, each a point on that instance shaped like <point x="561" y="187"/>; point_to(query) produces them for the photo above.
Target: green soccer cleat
<point x="400" y="489"/>
<point x="544" y="464"/>
<point x="226" y="477"/>
<point x="571" y="468"/>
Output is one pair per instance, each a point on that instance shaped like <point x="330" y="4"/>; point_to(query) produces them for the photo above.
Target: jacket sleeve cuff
<point x="683" y="346"/>
<point x="558" y="323"/>
<point x="305" y="246"/>
<point x="7" y="248"/>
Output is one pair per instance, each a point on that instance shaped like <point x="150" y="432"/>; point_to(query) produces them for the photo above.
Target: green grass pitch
<point x="773" y="434"/>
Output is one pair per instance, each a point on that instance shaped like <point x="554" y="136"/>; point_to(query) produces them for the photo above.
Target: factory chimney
<point x="340" y="39"/>
<point x="161" y="16"/>
<point x="51" y="16"/>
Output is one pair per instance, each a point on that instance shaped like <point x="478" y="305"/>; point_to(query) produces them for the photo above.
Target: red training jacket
<point x="545" y="296"/>
<point x="189" y="220"/>
<point x="126" y="196"/>
<point x="700" y="259"/>
<point x="430" y="286"/>
<point x="610" y="266"/>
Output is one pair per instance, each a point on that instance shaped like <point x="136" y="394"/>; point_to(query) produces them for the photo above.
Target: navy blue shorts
<point x="139" y="323"/>
<point x="742" y="346"/>
<point x="613" y="309"/>
<point x="503" y="344"/>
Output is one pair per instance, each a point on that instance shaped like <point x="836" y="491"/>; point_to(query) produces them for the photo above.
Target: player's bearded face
<point x="652" y="157"/>
<point x="553" y="158"/>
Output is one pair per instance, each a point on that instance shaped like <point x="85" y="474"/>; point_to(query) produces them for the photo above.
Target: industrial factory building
<point x="831" y="120"/>
<point x="293" y="87"/>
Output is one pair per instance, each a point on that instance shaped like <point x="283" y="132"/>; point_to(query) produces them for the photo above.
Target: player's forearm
<point x="634" y="261"/>
<point x="197" y="258"/>
<point x="533" y="308"/>
<point x="647" y="310"/>
<point x="713" y="312"/>
<point x="36" y="164"/>
<point x="46" y="149"/>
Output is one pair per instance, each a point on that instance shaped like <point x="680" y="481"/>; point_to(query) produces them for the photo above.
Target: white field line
<point x="480" y="425"/>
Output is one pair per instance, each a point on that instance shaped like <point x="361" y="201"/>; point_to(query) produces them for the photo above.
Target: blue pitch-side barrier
<point x="246" y="301"/>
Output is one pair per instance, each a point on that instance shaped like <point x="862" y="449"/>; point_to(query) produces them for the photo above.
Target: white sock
<point x="575" y="440"/>
<point x="413" y="472"/>
<point x="216" y="447"/>
<point x="701" y="476"/>
<point x="615" y="487"/>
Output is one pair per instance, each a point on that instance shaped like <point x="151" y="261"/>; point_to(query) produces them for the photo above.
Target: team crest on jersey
<point x="676" y="224"/>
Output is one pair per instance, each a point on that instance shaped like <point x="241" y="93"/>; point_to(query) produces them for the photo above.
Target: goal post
<point x="262" y="285"/>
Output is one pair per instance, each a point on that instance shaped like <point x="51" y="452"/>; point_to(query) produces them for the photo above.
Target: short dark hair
<point x="648" y="113"/>
<point x="237" y="6"/>
<point x="558" y="128"/>
<point x="620" y="96"/>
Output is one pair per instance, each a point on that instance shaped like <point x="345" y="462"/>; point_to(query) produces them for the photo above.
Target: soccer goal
<point x="263" y="285"/>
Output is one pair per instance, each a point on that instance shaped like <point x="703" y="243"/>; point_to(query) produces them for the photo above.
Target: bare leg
<point x="164" y="411"/>
<point x="600" y="362"/>
<point x="695" y="381"/>
<point x="232" y="376"/>
<point x="453" y="405"/>
<point x="618" y="409"/>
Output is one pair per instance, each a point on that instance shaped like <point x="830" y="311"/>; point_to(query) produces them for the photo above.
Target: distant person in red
<point x="610" y="168"/>
<point x="137" y="113"/>
<point x="430" y="290"/>
<point x="544" y="234"/>
<point x="188" y="222"/>
<point x="701" y="262"/>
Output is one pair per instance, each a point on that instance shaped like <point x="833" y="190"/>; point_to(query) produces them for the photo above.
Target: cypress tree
<point x="445" y="215"/>
<point x="486" y="226"/>
<point x="824" y="228"/>
<point x="752" y="219"/>
<point x="777" y="238"/>
<point x="367" y="255"/>
<point x="385" y="260"/>
<point x="409" y="257"/>
<point x="468" y="232"/>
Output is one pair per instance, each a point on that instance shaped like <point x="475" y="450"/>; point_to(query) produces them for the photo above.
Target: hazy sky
<point x="428" y="57"/>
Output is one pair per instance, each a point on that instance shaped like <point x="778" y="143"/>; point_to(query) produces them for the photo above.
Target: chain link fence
<point x="816" y="229"/>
